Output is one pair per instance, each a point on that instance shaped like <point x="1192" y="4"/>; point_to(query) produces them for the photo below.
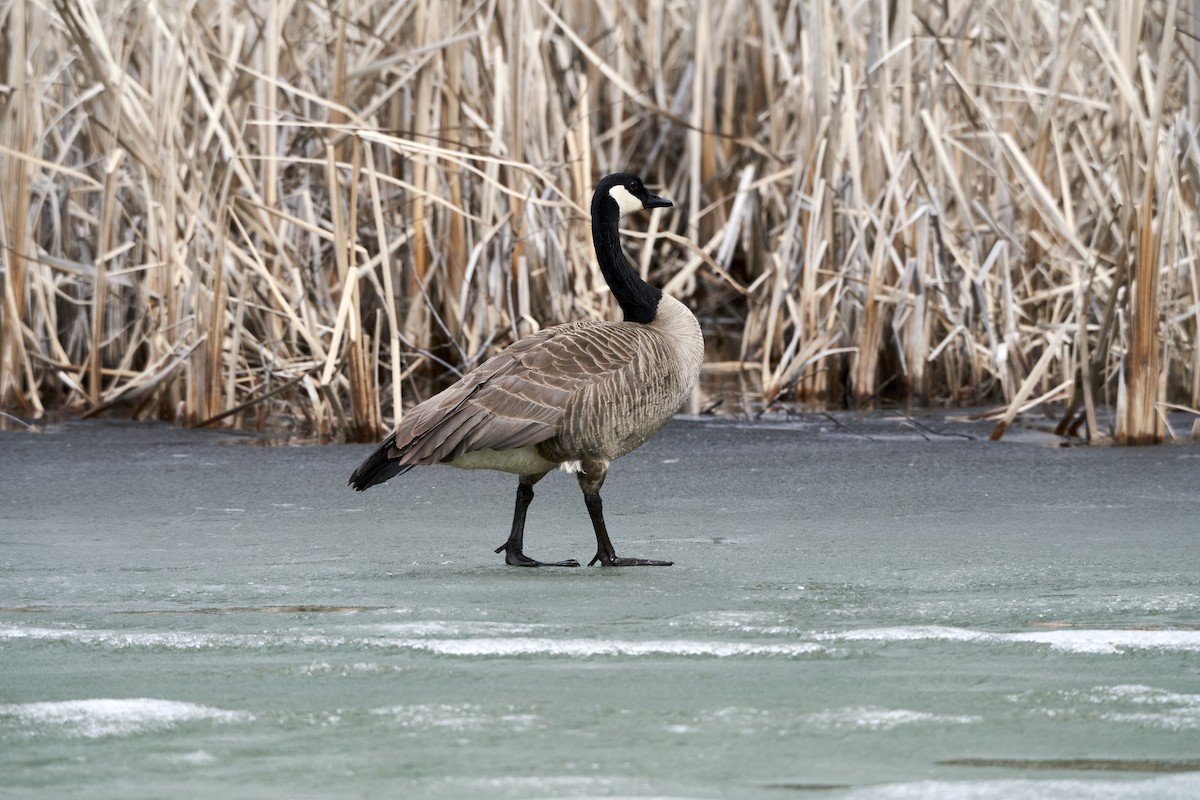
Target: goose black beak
<point x="654" y="201"/>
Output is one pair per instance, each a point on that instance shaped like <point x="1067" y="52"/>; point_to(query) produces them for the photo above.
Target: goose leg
<point x="590" y="482"/>
<point x="513" y="549"/>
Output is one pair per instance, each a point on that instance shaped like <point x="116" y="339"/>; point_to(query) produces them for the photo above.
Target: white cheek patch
<point x="625" y="201"/>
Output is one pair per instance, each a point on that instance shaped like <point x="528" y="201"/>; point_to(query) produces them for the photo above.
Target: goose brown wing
<point x="522" y="395"/>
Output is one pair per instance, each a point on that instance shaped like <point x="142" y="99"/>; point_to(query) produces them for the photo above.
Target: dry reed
<point x="229" y="212"/>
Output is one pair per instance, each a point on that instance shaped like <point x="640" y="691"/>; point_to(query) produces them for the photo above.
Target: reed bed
<point x="226" y="212"/>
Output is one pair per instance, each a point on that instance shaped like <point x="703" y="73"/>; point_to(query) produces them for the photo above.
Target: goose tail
<point x="378" y="467"/>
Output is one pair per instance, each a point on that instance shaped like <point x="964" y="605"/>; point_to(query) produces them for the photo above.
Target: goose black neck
<point x="638" y="299"/>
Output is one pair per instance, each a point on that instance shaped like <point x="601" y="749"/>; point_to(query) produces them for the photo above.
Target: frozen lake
<point x="858" y="609"/>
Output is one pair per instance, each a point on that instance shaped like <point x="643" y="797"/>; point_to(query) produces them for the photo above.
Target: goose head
<point x="629" y="194"/>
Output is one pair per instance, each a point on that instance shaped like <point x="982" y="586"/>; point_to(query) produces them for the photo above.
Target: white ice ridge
<point x="491" y="640"/>
<point x="379" y="637"/>
<point x="1173" y="787"/>
<point x="1072" y="640"/>
<point x="586" y="648"/>
<point x="872" y="718"/>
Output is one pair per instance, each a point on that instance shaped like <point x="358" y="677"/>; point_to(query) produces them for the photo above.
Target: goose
<point x="575" y="396"/>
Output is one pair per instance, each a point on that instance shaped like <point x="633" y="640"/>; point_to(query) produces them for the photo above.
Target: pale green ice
<point x="860" y="607"/>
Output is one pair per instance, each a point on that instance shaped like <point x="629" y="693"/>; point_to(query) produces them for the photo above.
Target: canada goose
<point x="575" y="396"/>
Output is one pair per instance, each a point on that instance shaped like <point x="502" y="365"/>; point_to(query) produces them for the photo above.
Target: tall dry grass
<point x="228" y="211"/>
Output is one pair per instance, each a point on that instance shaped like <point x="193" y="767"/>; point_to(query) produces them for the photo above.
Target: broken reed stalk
<point x="1141" y="420"/>
<point x="250" y="214"/>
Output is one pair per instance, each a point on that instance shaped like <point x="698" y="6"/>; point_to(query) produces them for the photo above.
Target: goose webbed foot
<point x="607" y="560"/>
<point x="515" y="558"/>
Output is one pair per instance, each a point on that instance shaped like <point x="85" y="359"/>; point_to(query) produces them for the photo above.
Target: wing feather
<point x="528" y="393"/>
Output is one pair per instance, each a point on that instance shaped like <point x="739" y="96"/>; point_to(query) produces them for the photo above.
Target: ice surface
<point x="849" y="616"/>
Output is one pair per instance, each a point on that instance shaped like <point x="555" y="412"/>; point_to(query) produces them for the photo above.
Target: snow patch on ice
<point x="1073" y="640"/>
<point x="883" y="719"/>
<point x="99" y="717"/>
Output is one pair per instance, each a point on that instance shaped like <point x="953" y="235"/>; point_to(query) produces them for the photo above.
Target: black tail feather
<point x="378" y="467"/>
